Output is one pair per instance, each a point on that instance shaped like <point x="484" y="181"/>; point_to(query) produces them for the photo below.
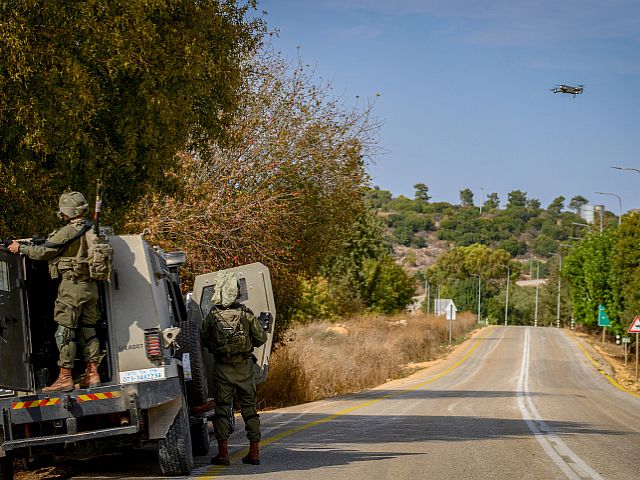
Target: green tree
<point x="626" y="267"/>
<point x="388" y="288"/>
<point x="516" y="198"/>
<point x="466" y="197"/>
<point x="556" y="206"/>
<point x="492" y="201"/>
<point x="577" y="203"/>
<point x="589" y="269"/>
<point x="114" y="89"/>
<point x="422" y="192"/>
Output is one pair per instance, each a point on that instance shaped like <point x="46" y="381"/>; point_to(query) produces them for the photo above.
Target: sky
<point x="462" y="89"/>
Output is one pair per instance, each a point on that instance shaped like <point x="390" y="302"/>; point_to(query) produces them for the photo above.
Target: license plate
<point x="134" y="376"/>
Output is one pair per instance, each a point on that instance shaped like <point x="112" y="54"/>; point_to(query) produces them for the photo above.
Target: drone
<point x="568" y="89"/>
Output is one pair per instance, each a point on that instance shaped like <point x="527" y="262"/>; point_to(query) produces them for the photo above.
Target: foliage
<point x="626" y="268"/>
<point x="287" y="192"/>
<point x="388" y="288"/>
<point x="588" y="267"/>
<point x="466" y="197"/>
<point x="492" y="201"/>
<point x="112" y="89"/>
<point x="422" y="192"/>
<point x="577" y="203"/>
<point x="556" y="206"/>
<point x="516" y="198"/>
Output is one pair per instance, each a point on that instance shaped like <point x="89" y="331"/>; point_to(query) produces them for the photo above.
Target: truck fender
<point x="162" y="416"/>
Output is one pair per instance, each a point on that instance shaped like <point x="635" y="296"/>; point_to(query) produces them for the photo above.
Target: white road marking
<point x="565" y="458"/>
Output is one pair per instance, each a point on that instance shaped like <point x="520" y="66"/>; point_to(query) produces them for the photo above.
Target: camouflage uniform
<point x="76" y="305"/>
<point x="236" y="373"/>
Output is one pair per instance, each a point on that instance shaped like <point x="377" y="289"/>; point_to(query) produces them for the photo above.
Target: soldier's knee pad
<point x="64" y="336"/>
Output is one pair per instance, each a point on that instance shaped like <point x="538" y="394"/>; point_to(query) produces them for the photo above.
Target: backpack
<point x="225" y="334"/>
<point x="95" y="256"/>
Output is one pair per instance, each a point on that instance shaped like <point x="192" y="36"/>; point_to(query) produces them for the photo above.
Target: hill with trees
<point x="465" y="251"/>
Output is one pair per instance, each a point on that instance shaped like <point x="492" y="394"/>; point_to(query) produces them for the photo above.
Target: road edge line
<point x="613" y="381"/>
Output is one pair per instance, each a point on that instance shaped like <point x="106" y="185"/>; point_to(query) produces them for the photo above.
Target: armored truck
<point x="153" y="369"/>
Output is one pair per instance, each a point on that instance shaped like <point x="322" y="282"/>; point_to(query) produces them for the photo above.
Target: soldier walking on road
<point x="231" y="331"/>
<point x="75" y="310"/>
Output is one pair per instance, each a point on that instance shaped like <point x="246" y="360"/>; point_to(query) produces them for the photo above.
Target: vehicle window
<point x="207" y="293"/>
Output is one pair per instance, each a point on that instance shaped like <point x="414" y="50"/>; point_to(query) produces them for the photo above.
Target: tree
<point x="516" y="198"/>
<point x="492" y="201"/>
<point x="422" y="192"/>
<point x="288" y="192"/>
<point x="556" y="206"/>
<point x="114" y="89"/>
<point x="589" y="269"/>
<point x="577" y="203"/>
<point x="466" y="197"/>
<point x="533" y="204"/>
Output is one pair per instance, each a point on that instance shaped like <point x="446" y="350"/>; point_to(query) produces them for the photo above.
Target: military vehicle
<point x="154" y="368"/>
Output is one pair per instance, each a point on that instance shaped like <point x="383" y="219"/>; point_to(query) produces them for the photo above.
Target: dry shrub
<point x="316" y="362"/>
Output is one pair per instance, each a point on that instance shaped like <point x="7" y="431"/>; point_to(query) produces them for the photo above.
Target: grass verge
<point x="324" y="359"/>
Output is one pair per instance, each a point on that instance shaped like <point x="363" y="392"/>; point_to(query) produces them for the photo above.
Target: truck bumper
<point x="71" y="417"/>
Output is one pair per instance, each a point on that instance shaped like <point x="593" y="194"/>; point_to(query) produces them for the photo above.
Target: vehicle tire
<point x="175" y="454"/>
<point x="200" y="437"/>
<point x="6" y="468"/>
<point x="190" y="342"/>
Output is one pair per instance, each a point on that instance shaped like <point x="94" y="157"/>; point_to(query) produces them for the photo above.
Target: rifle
<point x="33" y="241"/>
<point x="96" y="211"/>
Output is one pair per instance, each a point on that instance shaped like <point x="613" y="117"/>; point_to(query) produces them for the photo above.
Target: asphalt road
<point x="512" y="402"/>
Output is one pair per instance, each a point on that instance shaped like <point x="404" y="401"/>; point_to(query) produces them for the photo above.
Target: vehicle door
<point x="13" y="325"/>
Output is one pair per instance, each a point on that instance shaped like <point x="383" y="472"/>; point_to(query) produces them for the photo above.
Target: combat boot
<point x="253" y="457"/>
<point x="222" y="458"/>
<point x="91" y="377"/>
<point x="64" y="383"/>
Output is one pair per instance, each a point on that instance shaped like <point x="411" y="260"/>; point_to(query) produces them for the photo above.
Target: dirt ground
<point x="614" y="356"/>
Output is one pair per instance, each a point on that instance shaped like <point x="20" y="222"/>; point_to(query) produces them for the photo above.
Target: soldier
<point x="231" y="331"/>
<point x="75" y="309"/>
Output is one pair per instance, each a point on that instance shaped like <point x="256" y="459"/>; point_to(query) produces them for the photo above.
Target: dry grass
<point x="324" y="359"/>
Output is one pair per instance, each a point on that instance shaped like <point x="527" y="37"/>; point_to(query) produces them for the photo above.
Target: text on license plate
<point x="144" y="375"/>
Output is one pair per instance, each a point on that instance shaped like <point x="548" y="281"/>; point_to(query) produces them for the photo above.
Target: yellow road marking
<point x="217" y="469"/>
<point x="605" y="374"/>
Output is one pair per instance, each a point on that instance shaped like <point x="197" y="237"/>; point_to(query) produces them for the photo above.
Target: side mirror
<point x="265" y="319"/>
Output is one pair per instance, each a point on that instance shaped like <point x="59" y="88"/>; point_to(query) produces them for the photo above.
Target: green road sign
<point x="603" y="318"/>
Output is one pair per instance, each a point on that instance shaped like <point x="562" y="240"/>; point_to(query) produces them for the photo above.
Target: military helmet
<point x="72" y="204"/>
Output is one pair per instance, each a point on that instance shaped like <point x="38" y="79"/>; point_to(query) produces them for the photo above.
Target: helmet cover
<point x="72" y="204"/>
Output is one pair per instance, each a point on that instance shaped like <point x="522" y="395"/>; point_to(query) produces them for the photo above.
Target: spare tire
<point x="189" y="341"/>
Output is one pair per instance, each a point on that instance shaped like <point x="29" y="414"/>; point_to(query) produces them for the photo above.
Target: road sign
<point x="635" y="325"/>
<point x="603" y="318"/>
<point x="626" y="339"/>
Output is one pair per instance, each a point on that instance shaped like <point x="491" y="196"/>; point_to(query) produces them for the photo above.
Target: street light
<point x="619" y="203"/>
<point x="506" y="302"/>
<point x="479" y="281"/>
<point x="627" y="168"/>
<point x="560" y="280"/>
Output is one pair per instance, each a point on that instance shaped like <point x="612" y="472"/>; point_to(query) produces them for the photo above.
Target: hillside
<point x="420" y="230"/>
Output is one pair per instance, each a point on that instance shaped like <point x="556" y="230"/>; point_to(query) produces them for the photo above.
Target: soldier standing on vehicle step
<point x="231" y="331"/>
<point x="75" y="309"/>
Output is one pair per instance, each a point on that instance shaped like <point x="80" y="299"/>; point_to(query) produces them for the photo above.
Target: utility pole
<point x="535" y="318"/>
<point x="506" y="302"/>
<point x="479" y="293"/>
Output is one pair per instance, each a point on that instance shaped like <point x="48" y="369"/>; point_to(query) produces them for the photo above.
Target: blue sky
<point x="464" y="90"/>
